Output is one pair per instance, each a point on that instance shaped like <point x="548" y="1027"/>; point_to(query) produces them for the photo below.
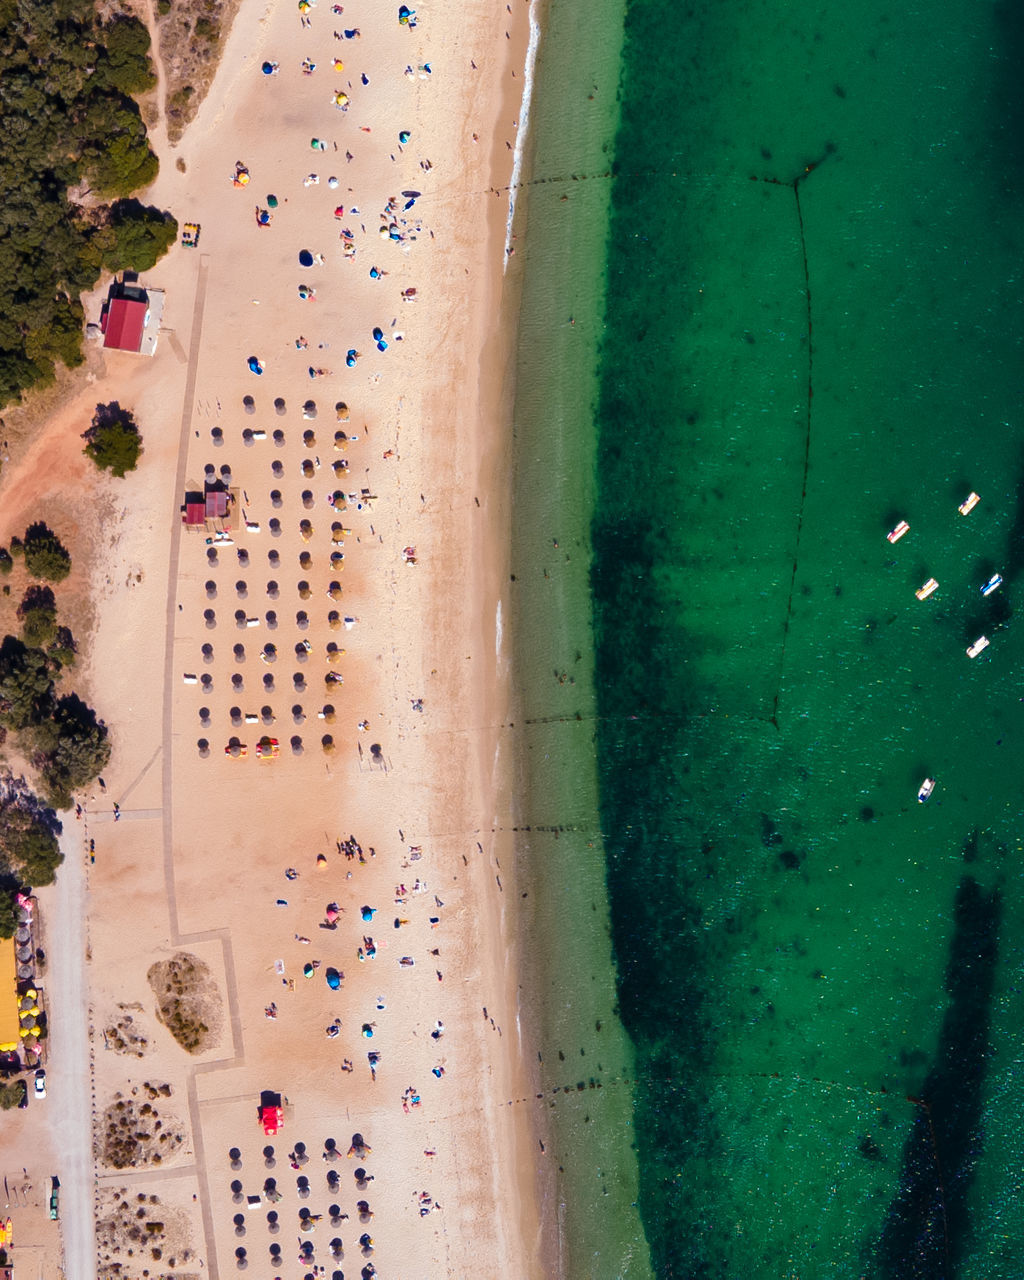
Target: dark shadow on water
<point x="1006" y="97"/>
<point x="1014" y="558"/>
<point x="927" y="1230"/>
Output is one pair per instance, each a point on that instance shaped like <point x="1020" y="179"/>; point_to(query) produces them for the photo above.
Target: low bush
<point x="45" y="555"/>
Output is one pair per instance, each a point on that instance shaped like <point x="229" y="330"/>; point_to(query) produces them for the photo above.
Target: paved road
<point x="69" y="1066"/>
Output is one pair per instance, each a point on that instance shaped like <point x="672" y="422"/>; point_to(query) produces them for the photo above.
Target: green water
<point x="799" y="316"/>
<point x="820" y="976"/>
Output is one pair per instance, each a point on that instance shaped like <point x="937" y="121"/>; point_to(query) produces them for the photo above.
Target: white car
<point x="40" y="1084"/>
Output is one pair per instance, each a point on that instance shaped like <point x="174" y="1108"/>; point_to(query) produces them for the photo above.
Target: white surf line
<point x="524" y="123"/>
<point x="497" y="631"/>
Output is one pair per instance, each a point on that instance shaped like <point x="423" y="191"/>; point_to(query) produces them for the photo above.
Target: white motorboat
<point x="925" y="790"/>
<point x="995" y="581"/>
<point x="924" y="592"/>
<point x="969" y="503"/>
<point x="979" y="646"/>
<point x="894" y="535"/>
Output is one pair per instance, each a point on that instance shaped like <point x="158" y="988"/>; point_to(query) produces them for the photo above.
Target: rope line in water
<point x="794" y="186"/>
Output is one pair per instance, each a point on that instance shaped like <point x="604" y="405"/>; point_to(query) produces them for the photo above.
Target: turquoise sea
<point x="798" y="305"/>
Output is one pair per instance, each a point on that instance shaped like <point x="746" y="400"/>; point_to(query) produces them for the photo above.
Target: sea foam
<point x="524" y="122"/>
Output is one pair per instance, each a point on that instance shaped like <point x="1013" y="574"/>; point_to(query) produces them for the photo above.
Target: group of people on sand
<point x="398" y="225"/>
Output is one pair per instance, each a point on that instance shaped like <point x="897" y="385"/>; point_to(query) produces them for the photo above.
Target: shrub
<point x="29" y="853"/>
<point x="12" y="1095"/>
<point x="113" y="440"/>
<point x="6" y="561"/>
<point x="64" y="650"/>
<point x="45" y="554"/>
<point x="38" y="615"/>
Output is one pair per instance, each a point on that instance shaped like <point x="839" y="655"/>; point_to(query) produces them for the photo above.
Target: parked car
<point x="40" y="1083"/>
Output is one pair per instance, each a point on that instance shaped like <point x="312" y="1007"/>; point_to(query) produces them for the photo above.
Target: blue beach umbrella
<point x="255" y="366"/>
<point x="305" y="258"/>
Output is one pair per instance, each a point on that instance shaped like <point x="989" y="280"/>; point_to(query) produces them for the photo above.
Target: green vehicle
<point x="55" y="1189"/>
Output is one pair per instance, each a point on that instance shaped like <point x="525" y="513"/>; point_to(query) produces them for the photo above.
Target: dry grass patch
<point x="138" y="1236"/>
<point x="124" y="1034"/>
<point x="188" y="1000"/>
<point x="134" y="1134"/>
<point x="192" y="34"/>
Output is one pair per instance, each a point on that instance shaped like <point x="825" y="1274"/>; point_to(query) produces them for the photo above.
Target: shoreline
<point x="584" y="1065"/>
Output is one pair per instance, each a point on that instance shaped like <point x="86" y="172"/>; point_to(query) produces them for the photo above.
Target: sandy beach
<point x="344" y="906"/>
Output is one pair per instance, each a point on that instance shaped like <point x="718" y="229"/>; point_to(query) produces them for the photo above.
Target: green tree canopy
<point x="8" y="913"/>
<point x="80" y="755"/>
<point x="38" y="615"/>
<point x="29" y="853"/>
<point x="142" y="235"/>
<point x="113" y="440"/>
<point x="66" y="118"/>
<point x="63" y="651"/>
<point x="26" y="686"/>
<point x="123" y="62"/>
<point x="45" y="555"/>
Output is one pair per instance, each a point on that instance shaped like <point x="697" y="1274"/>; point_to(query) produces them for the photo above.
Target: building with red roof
<point x="131" y="318"/>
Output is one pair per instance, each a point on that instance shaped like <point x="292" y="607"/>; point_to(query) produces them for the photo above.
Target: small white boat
<point x="925" y="790"/>
<point x="979" y="646"/>
<point x="894" y="535"/>
<point x="969" y="503"/>
<point x="995" y="581"/>
<point x="924" y="592"/>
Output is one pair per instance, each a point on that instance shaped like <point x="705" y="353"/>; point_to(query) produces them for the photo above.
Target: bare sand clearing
<point x="229" y="866"/>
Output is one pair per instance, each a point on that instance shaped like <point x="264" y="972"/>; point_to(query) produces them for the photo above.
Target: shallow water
<point x="584" y="1070"/>
<point x="820" y="976"/>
